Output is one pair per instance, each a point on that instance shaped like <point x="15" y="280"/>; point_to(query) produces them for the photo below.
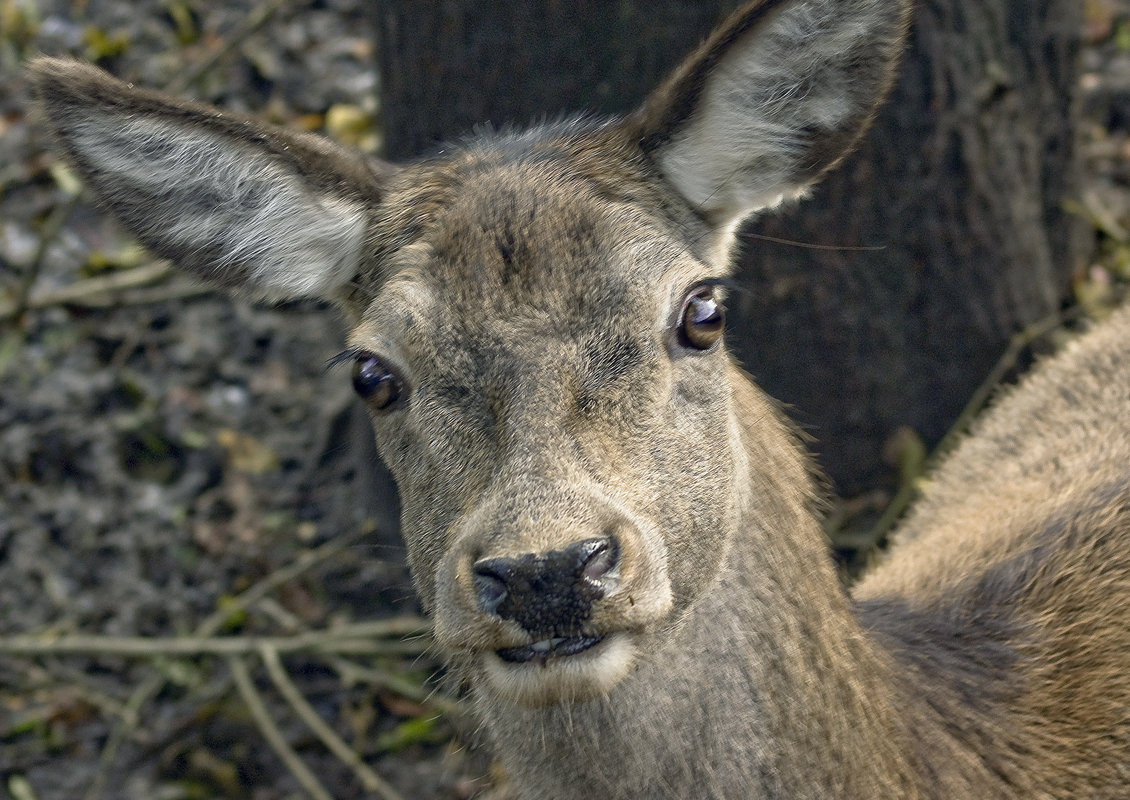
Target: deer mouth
<point x="545" y="649"/>
<point x="559" y="669"/>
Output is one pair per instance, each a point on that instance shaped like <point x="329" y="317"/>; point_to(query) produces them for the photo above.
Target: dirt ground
<point x="180" y="466"/>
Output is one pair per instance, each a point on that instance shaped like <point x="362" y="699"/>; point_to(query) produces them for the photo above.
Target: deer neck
<point x="768" y="688"/>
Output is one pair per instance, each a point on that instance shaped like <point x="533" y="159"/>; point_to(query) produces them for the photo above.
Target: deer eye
<point x="376" y="383"/>
<point x="702" y="318"/>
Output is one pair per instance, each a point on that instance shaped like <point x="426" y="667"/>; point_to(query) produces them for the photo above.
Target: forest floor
<point x="179" y="473"/>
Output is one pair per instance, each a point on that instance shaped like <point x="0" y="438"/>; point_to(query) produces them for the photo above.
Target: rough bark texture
<point x="451" y="66"/>
<point x="960" y="184"/>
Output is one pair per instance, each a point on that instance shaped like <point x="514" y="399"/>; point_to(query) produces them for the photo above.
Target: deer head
<point x="536" y="320"/>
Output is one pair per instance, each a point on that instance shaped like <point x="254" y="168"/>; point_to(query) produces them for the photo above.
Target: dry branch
<point x="360" y="638"/>
<point x="153" y="684"/>
<point x="334" y="743"/>
<point x="398" y="684"/>
<point x="271" y="732"/>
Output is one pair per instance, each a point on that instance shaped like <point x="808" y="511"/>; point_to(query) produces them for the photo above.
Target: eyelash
<point x="345" y="356"/>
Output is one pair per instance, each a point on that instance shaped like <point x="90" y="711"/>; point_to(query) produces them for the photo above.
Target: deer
<point x="616" y="534"/>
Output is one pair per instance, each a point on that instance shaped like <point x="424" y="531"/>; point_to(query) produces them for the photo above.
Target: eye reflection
<point x="375" y="382"/>
<point x="702" y="319"/>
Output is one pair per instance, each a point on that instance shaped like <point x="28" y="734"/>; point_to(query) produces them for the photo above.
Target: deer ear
<point x="774" y="98"/>
<point x="238" y="202"/>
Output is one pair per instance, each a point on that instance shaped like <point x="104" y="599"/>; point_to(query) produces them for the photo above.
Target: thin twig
<point x="361" y="638"/>
<point x="127" y="722"/>
<point x="271" y="732"/>
<point x="141" y="275"/>
<point x="51" y="230"/>
<point x="62" y="677"/>
<point x="254" y="21"/>
<point x="149" y="295"/>
<point x="152" y="684"/>
<point x="334" y="743"/>
<point x="283" y="575"/>
<point x="1016" y="345"/>
<point x="90" y="292"/>
<point x="431" y="698"/>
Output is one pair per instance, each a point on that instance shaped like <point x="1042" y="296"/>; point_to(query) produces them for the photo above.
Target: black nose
<point x="547" y="593"/>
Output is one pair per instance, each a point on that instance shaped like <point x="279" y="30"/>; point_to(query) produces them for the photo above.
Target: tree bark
<point x="961" y="183"/>
<point x="449" y="66"/>
<point x="960" y="186"/>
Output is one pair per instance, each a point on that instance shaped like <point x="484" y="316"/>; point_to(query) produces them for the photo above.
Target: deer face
<point x="552" y="347"/>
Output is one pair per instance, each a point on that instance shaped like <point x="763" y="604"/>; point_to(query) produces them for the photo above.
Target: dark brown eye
<point x="376" y="383"/>
<point x="701" y="320"/>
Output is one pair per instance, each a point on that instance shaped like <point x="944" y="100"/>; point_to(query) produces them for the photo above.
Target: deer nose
<point x="547" y="593"/>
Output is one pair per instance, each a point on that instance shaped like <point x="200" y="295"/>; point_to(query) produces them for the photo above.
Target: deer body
<point x="612" y="527"/>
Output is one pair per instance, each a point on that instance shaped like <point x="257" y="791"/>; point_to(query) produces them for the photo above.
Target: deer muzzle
<point x="548" y="620"/>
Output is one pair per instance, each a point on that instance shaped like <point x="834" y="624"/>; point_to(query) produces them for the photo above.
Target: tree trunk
<point x="960" y="185"/>
<point x="449" y="66"/>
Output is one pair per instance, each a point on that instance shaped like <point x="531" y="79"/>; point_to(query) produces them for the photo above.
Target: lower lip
<point x="540" y="652"/>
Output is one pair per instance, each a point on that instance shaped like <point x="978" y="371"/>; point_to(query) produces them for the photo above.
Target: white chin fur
<point x="570" y="679"/>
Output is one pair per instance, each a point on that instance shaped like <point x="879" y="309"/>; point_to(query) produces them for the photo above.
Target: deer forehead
<point x="519" y="264"/>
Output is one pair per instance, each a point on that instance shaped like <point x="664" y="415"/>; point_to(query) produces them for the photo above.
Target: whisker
<point x="843" y="248"/>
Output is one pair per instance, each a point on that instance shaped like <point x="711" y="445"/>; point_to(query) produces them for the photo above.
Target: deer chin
<point x="559" y="670"/>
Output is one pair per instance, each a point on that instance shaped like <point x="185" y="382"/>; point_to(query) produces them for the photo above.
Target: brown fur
<point x="527" y="291"/>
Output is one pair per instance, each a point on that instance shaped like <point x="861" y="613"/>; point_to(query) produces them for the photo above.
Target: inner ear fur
<point x="239" y="202"/>
<point x="773" y="99"/>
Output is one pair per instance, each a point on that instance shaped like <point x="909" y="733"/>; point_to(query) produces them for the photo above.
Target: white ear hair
<point x="236" y="201"/>
<point x="251" y="214"/>
<point x="771" y="101"/>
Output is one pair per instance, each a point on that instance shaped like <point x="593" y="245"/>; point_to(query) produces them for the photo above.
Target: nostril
<point x="490" y="584"/>
<point x="598" y="558"/>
